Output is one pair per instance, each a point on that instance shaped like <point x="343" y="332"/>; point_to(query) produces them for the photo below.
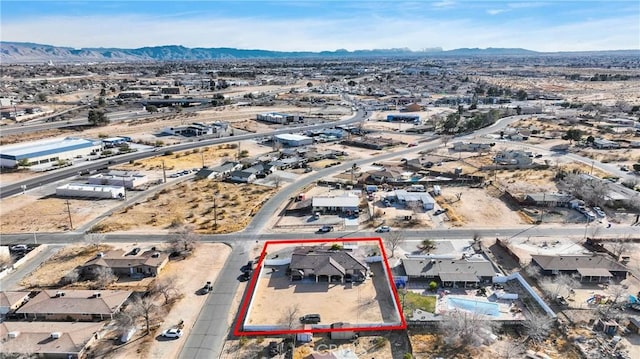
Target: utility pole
<point x="164" y="174"/>
<point x="69" y="213"/>
<point x="202" y="156"/>
<point x="215" y="213"/>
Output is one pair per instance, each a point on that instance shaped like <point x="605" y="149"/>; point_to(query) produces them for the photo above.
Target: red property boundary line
<point x="237" y="331"/>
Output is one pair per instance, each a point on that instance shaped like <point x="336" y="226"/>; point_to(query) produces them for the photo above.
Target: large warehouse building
<point x="46" y="151"/>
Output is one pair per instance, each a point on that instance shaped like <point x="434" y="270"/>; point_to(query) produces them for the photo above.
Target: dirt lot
<point x="367" y="302"/>
<point x="465" y="212"/>
<point x="188" y="203"/>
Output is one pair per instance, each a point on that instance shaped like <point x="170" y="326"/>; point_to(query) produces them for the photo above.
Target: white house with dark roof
<point x="589" y="268"/>
<point x="451" y="272"/>
<point x="326" y="265"/>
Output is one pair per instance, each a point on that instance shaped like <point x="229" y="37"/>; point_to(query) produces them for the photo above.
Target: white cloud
<point x="300" y="34"/>
<point x="496" y="11"/>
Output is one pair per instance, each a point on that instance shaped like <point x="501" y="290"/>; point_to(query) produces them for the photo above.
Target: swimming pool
<point x="486" y="308"/>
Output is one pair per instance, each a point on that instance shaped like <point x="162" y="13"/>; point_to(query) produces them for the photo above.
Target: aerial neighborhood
<point x="460" y="204"/>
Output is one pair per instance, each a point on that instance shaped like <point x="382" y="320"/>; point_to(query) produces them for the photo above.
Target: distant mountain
<point x="23" y="52"/>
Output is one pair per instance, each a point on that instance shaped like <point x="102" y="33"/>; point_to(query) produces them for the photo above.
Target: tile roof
<point x="435" y="267"/>
<point x="325" y="261"/>
<point x="573" y="262"/>
<point x="75" y="302"/>
<point x="8" y="299"/>
<point x="118" y="259"/>
<point x="35" y="337"/>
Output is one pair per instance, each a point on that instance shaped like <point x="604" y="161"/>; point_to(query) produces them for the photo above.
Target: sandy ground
<point x="465" y="212"/>
<point x="351" y="303"/>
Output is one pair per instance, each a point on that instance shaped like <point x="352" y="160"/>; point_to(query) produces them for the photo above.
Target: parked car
<point x="325" y="229"/>
<point x="246" y="275"/>
<point x="599" y="212"/>
<point x="207" y="287"/>
<point x="440" y="211"/>
<point x="172" y="333"/>
<point x="310" y="319"/>
<point x="383" y="229"/>
<point x="19" y="248"/>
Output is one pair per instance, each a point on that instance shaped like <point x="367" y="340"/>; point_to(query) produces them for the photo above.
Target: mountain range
<point x="23" y="52"/>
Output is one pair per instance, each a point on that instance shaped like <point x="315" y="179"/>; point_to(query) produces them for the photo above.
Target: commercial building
<point x="280" y="118"/>
<point x="293" y="140"/>
<point x="125" y="179"/>
<point x="90" y="191"/>
<point x="46" y="151"/>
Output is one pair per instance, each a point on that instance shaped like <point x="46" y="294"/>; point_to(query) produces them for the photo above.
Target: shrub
<point x="433" y="285"/>
<point x="407" y="356"/>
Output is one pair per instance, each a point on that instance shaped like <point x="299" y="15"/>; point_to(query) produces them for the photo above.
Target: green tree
<point x="42" y="96"/>
<point x="521" y="95"/>
<point x="97" y="118"/>
<point x="151" y="108"/>
<point x="590" y="139"/>
<point x="636" y="167"/>
<point x="102" y="102"/>
<point x="451" y="122"/>
<point x="427" y="245"/>
<point x="573" y="134"/>
<point x="103" y="92"/>
<point x="309" y="84"/>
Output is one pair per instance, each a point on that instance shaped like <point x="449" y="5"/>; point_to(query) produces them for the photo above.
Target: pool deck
<point x="442" y="305"/>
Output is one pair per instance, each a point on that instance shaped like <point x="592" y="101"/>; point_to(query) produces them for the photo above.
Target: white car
<point x="172" y="333"/>
<point x="383" y="229"/>
<point x="19" y="248"/>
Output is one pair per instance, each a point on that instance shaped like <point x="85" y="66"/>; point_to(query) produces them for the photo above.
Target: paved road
<point x="10" y="282"/>
<point x="210" y="330"/>
<point x="49" y="177"/>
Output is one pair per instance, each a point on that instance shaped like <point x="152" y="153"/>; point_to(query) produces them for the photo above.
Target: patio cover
<point x="458" y="277"/>
<point x="594" y="272"/>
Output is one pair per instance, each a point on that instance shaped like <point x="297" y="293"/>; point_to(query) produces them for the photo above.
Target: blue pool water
<point x="486" y="308"/>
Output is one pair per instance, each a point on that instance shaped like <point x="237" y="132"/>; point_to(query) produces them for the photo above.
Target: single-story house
<point x="589" y="268"/>
<point x="146" y="264"/>
<point x="386" y="175"/>
<point x="451" y="272"/>
<point x="219" y="171"/>
<point x="242" y="176"/>
<point x="346" y="203"/>
<point x="601" y="143"/>
<point x="471" y="147"/>
<point x="424" y="199"/>
<point x="548" y="199"/>
<point x="54" y="340"/>
<point x="326" y="265"/>
<point x="82" y="305"/>
<point x="10" y="301"/>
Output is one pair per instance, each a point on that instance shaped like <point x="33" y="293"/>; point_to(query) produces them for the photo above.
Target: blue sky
<point x="310" y="25"/>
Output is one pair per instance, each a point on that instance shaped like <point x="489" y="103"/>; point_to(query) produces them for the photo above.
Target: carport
<point x="594" y="275"/>
<point x="459" y="279"/>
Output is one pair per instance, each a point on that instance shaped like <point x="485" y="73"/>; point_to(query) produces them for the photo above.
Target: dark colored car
<point x="310" y="319"/>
